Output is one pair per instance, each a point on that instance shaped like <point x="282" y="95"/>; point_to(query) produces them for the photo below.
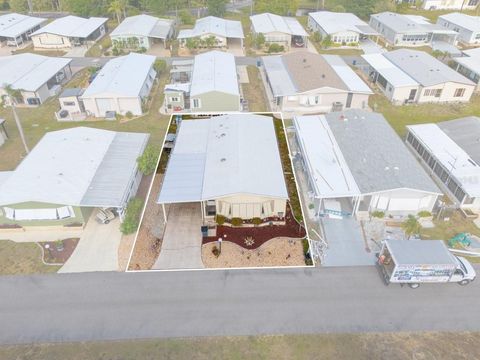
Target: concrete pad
<point x="78" y="51"/>
<point x="97" y="249"/>
<point x="242" y="74"/>
<point x="370" y="47"/>
<point x="182" y="240"/>
<point x="346" y="246"/>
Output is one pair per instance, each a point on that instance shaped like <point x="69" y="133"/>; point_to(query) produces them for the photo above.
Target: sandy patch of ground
<point x="276" y="252"/>
<point x="149" y="238"/>
<point x="124" y="250"/>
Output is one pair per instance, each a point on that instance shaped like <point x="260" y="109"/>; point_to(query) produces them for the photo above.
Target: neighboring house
<point x="450" y="151"/>
<point x="469" y="65"/>
<point x="303" y="82"/>
<point x="409" y="76"/>
<point x="343" y="28"/>
<point x="69" y="31"/>
<point x="208" y="84"/>
<point x="225" y="32"/>
<point x="281" y="30"/>
<point x="444" y="4"/>
<point x="410" y="30"/>
<point x="15" y="29"/>
<point x="122" y="86"/>
<point x="467" y="27"/>
<point x="68" y="174"/>
<point x="71" y="107"/>
<point x="146" y="30"/>
<point x="37" y="77"/>
<point x="230" y="164"/>
<point x="356" y="164"/>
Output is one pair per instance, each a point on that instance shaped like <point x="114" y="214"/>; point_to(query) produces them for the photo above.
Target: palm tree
<point x="116" y="7"/>
<point x="13" y="95"/>
<point x="411" y="226"/>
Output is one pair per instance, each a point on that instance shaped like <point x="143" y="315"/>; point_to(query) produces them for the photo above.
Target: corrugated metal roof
<point x="13" y="25"/>
<point x="222" y="156"/>
<point x="214" y="71"/>
<point x="109" y="186"/>
<point x="420" y="252"/>
<point x="450" y="154"/>
<point x="424" y="68"/>
<point x="72" y="26"/>
<point x="123" y="76"/>
<point x="214" y="25"/>
<point x="346" y="73"/>
<point x="144" y="25"/>
<point x="267" y="23"/>
<point x="465" y="21"/>
<point x="334" y="22"/>
<point x="471" y="62"/>
<point x="389" y="71"/>
<point x="278" y="76"/>
<point x="29" y="71"/>
<point x="63" y="166"/>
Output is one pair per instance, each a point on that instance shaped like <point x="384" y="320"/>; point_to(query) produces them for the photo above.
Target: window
<point x="174" y="99"/>
<point x="196" y="103"/>
<point x="69" y="103"/>
<point x="459" y="92"/>
<point x="433" y="92"/>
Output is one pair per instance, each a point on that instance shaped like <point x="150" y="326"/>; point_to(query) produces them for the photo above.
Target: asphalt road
<point x="112" y="306"/>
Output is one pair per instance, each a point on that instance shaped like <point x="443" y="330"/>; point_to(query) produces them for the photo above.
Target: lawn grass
<point x="371" y="346"/>
<point x="30" y="49"/>
<point x="37" y="121"/>
<point x="400" y="116"/>
<point x="22" y="258"/>
<point x="254" y="92"/>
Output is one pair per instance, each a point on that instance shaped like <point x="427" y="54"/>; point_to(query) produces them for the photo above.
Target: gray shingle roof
<point x="375" y="154"/>
<point x="466" y="133"/>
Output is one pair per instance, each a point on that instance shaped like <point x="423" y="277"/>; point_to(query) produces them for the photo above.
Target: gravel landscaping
<point x="276" y="252"/>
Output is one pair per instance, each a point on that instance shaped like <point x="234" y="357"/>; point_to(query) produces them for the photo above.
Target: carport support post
<point x="164" y="213"/>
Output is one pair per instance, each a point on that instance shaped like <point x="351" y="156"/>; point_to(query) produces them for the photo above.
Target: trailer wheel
<point x="414" y="285"/>
<point x="464" y="282"/>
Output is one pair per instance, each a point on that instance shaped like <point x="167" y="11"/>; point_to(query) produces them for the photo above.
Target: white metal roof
<point x="470" y="62"/>
<point x="395" y="76"/>
<point x="80" y="166"/>
<point x="13" y="25"/>
<point x="346" y="73"/>
<point x="472" y="52"/>
<point x="72" y="26"/>
<point x="465" y="21"/>
<point x="334" y="22"/>
<point x="328" y="170"/>
<point x="450" y="155"/>
<point x="214" y="71"/>
<point x="123" y="76"/>
<point x="267" y="23"/>
<point x="413" y="24"/>
<point x="278" y="76"/>
<point x="215" y="26"/>
<point x="222" y="156"/>
<point x="143" y="25"/>
<point x="29" y="71"/>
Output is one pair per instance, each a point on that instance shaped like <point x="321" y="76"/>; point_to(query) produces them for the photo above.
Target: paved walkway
<point x="97" y="249"/>
<point x="182" y="241"/>
<point x="115" y="306"/>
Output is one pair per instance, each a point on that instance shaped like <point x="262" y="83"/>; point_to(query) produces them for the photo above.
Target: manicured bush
<point x="129" y="114"/>
<point x="132" y="216"/>
<point x="424" y="214"/>
<point x="147" y="162"/>
<point x="378" y="214"/>
<point x="159" y="66"/>
<point x="257" y="221"/>
<point x="275" y="48"/>
<point x="220" y="219"/>
<point x="115" y="51"/>
<point x="216" y="251"/>
<point x="236" y="221"/>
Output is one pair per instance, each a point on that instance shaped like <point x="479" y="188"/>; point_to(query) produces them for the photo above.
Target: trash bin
<point x="204" y="230"/>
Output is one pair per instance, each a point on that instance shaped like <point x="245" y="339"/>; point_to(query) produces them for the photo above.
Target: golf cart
<point x="104" y="216"/>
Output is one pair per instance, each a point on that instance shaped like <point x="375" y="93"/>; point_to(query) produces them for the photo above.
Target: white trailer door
<point x="104" y="105"/>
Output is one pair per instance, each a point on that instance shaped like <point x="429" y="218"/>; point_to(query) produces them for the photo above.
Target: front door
<point x="349" y="100"/>
<point x="412" y="95"/>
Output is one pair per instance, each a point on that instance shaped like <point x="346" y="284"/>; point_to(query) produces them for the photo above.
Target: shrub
<point x="259" y="41"/>
<point x="115" y="51"/>
<point x="216" y="251"/>
<point x="132" y="216"/>
<point x="275" y="48"/>
<point x="317" y="37"/>
<point x="257" y="221"/>
<point x="424" y="214"/>
<point x="142" y="50"/>
<point x="378" y="214"/>
<point x="236" y="221"/>
<point x="220" y="219"/>
<point x="107" y="53"/>
<point x="147" y="162"/>
<point x="186" y="18"/>
<point x="159" y="66"/>
<point x="129" y="114"/>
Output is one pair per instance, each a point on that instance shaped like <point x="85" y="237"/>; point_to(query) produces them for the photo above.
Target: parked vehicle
<point x="104" y="216"/>
<point x="414" y="262"/>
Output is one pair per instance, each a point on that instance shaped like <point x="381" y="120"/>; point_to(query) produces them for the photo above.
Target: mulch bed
<point x="54" y="256"/>
<point x="143" y="187"/>
<point x="260" y="235"/>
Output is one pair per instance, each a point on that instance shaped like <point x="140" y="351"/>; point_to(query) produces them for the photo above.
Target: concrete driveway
<point x="370" y="47"/>
<point x="97" y="249"/>
<point x="182" y="240"/>
<point x="346" y="246"/>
